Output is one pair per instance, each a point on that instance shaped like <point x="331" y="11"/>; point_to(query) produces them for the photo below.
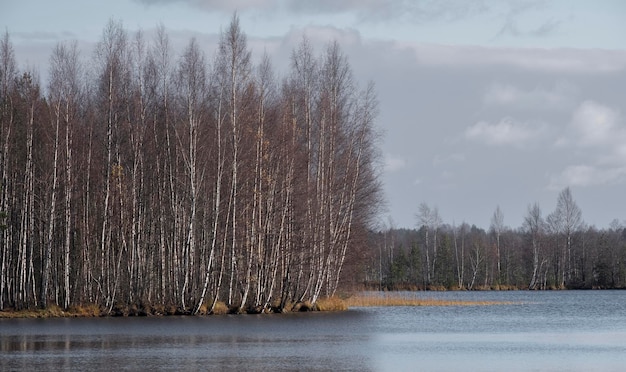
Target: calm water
<point x="543" y="331"/>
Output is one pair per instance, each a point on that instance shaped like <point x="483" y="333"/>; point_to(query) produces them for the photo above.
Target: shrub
<point x="220" y="308"/>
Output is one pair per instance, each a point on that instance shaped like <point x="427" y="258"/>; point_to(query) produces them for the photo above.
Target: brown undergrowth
<point x="54" y="311"/>
<point x="220" y="308"/>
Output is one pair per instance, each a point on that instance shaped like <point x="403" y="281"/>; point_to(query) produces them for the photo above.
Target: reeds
<point x="331" y="304"/>
<point x="398" y="299"/>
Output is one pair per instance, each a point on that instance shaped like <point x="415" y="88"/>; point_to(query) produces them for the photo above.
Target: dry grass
<point x="87" y="310"/>
<point x="323" y="304"/>
<point x="331" y="304"/>
<point x="53" y="311"/>
<point x="220" y="308"/>
<point x="395" y="299"/>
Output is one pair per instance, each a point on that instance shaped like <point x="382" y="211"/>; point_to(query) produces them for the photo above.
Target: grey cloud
<point x="600" y="132"/>
<point x="219" y="5"/>
<point x="511" y="27"/>
<point x="585" y="175"/>
<point x="394" y="162"/>
<point x="560" y="96"/>
<point x="596" y="126"/>
<point x="525" y="98"/>
<point x="43" y="36"/>
<point x="546" y="60"/>
<point x="429" y="92"/>
<point x="515" y="25"/>
<point x="518" y="102"/>
<point x="416" y="11"/>
<point x="548" y="28"/>
<point x="506" y="132"/>
<point x="365" y="10"/>
<point x="383" y="10"/>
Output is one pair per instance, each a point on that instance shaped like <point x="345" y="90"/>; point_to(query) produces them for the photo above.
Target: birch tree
<point x="570" y="216"/>
<point x="8" y="72"/>
<point x="304" y="89"/>
<point x="430" y="220"/>
<point x="110" y="53"/>
<point x="192" y="78"/>
<point x="135" y="181"/>
<point x="28" y="94"/>
<point x="234" y="60"/>
<point x="497" y="226"/>
<point x="534" y="226"/>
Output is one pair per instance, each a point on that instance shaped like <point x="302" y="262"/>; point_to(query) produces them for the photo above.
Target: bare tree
<point x="136" y="181"/>
<point x="234" y="60"/>
<point x="430" y="220"/>
<point x="459" y="253"/>
<point x="8" y="73"/>
<point x="497" y="226"/>
<point x="29" y="94"/>
<point x="534" y="226"/>
<point x="158" y="76"/>
<point x="303" y="90"/>
<point x="192" y="77"/>
<point x="111" y="53"/>
<point x="569" y="217"/>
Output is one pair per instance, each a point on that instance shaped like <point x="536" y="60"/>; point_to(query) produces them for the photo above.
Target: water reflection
<point x="543" y="331"/>
<point x="297" y="341"/>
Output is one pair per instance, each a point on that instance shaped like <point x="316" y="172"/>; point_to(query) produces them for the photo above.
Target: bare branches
<point x="166" y="180"/>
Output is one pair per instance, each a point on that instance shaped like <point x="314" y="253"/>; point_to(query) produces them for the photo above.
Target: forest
<point x="558" y="251"/>
<point x="142" y="178"/>
<point x="136" y="177"/>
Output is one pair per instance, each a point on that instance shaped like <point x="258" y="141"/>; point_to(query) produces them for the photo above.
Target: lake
<point x="541" y="331"/>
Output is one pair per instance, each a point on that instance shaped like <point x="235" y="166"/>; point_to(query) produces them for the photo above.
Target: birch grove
<point x="148" y="180"/>
<point x="559" y="251"/>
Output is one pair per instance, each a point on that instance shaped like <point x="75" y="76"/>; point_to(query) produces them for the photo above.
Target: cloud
<point x="586" y="176"/>
<point x="511" y="27"/>
<point x="521" y="22"/>
<point x="320" y="36"/>
<point x="43" y="36"/>
<point x="560" y="96"/>
<point x="600" y="132"/>
<point x="219" y="5"/>
<point x="505" y="132"/>
<point x="394" y="163"/>
<point x="420" y="11"/>
<point x="597" y="125"/>
<point x="369" y="11"/>
<point x="586" y="61"/>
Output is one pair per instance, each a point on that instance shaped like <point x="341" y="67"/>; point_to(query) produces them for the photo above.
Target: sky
<point x="482" y="103"/>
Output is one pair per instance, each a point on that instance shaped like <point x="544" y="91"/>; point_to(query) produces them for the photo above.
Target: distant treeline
<point x="145" y="178"/>
<point x="556" y="252"/>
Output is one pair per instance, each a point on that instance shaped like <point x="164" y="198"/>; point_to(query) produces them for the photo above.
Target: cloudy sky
<point x="482" y="102"/>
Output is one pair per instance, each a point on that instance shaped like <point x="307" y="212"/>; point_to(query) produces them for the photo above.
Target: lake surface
<point x="541" y="331"/>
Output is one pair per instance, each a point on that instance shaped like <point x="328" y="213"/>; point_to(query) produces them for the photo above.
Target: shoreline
<point x="95" y="311"/>
<point x="359" y="299"/>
